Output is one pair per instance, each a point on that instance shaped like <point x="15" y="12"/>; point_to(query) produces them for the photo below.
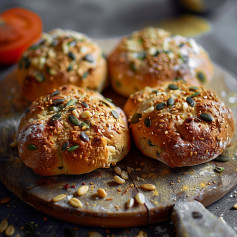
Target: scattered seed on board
<point x="148" y="187"/>
<point x="75" y="202"/>
<point x="59" y="197"/>
<point x="235" y="206"/>
<point x="101" y="192"/>
<point x="124" y="175"/>
<point x="117" y="170"/>
<point x="82" y="190"/>
<point x="118" y="180"/>
<point x="3" y="225"/>
<point x="130" y="203"/>
<point x="140" y="198"/>
<point x="10" y="230"/>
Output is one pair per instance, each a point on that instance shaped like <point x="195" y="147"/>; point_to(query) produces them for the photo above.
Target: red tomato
<point x="19" y="28"/>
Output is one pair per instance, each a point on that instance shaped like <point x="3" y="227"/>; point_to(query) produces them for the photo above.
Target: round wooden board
<point x="188" y="183"/>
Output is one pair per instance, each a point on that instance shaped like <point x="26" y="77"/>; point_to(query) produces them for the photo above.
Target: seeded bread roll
<point x="153" y="56"/>
<point x="179" y="124"/>
<point x="72" y="131"/>
<point x="62" y="57"/>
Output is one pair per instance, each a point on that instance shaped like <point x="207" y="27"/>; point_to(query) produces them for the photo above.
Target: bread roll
<point x="72" y="131"/>
<point x="62" y="57"/>
<point x="153" y="56"/>
<point x="179" y="124"/>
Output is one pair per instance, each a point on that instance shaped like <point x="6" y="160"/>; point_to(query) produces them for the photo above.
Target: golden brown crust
<point x="153" y="56"/>
<point x="180" y="134"/>
<point x="72" y="131"/>
<point x="62" y="57"/>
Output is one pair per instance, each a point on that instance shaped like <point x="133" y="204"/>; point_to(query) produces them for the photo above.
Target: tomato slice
<point x="19" y="28"/>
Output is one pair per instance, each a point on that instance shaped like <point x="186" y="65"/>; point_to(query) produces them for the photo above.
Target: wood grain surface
<point x="200" y="182"/>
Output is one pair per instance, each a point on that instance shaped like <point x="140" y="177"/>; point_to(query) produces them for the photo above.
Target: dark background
<point x="116" y="18"/>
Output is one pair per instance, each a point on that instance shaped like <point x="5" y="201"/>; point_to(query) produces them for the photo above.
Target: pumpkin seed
<point x="73" y="148"/>
<point x="69" y="68"/>
<point x="193" y="88"/>
<point x="160" y="106"/>
<point x="195" y="94"/>
<point x="108" y="99"/>
<point x="219" y="169"/>
<point x="115" y="114"/>
<point x="27" y="62"/>
<point x="84" y="137"/>
<point x="222" y="158"/>
<point x="39" y="77"/>
<point x="72" y="43"/>
<point x="132" y="66"/>
<point x="85" y="125"/>
<point x="85" y="105"/>
<point x="64" y="146"/>
<point x="170" y="101"/>
<point x="149" y="143"/>
<point x="53" y="108"/>
<point x="201" y="77"/>
<point x="59" y="101"/>
<point x="51" y="71"/>
<point x="89" y="58"/>
<point x="206" y="117"/>
<point x="85" y="75"/>
<point x="141" y="55"/>
<point x="70" y="102"/>
<point x="156" y="53"/>
<point x="140" y="41"/>
<point x="71" y="55"/>
<point x="147" y="122"/>
<point x="173" y="87"/>
<point x="190" y="101"/>
<point x="73" y="120"/>
<point x="103" y="55"/>
<point x="56" y="117"/>
<point x="34" y="47"/>
<point x="136" y="117"/>
<point x="118" y="83"/>
<point x="32" y="147"/>
<point x="55" y="93"/>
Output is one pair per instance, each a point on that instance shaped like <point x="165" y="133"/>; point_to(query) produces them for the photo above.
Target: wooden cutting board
<point x="200" y="182"/>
